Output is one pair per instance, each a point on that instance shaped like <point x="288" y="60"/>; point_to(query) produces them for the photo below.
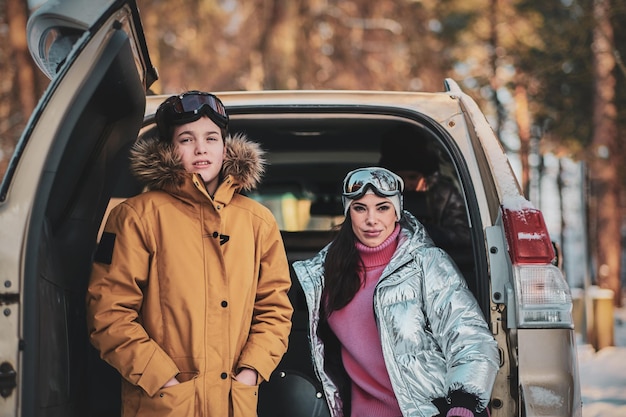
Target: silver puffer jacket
<point x="434" y="337"/>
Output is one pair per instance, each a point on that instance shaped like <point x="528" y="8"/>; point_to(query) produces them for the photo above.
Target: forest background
<point x="549" y="74"/>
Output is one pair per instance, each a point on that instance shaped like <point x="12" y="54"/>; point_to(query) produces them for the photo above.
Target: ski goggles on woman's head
<point x="189" y="107"/>
<point x="381" y="181"/>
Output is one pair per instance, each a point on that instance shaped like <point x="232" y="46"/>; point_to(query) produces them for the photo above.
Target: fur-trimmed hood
<point x="157" y="165"/>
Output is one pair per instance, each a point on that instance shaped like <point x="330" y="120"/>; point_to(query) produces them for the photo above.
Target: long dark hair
<point x="341" y="270"/>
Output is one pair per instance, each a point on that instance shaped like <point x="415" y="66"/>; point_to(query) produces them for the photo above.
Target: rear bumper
<point x="548" y="373"/>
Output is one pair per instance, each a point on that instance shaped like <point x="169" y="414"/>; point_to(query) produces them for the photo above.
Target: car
<point x="71" y="166"/>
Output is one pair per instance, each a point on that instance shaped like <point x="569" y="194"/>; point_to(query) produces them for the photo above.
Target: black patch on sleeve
<point x="104" y="253"/>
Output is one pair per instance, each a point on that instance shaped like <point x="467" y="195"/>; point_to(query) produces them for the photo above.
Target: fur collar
<point x="157" y="165"/>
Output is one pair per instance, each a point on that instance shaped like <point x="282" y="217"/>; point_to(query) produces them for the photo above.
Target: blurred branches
<point x="490" y="46"/>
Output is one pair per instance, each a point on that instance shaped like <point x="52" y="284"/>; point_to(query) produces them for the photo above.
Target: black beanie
<point x="404" y="149"/>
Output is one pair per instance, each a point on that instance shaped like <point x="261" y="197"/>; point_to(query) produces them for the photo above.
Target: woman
<point x="188" y="294"/>
<point x="394" y="330"/>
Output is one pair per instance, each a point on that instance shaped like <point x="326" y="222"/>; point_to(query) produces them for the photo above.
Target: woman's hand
<point x="171" y="382"/>
<point x="247" y="376"/>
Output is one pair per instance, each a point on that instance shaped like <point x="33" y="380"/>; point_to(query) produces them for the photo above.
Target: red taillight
<point x="527" y="236"/>
<point x="543" y="299"/>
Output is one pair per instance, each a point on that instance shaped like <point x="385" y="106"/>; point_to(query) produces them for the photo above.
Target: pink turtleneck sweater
<point x="355" y="327"/>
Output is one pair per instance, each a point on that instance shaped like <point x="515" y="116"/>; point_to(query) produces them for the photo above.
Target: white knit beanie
<point x="396" y="200"/>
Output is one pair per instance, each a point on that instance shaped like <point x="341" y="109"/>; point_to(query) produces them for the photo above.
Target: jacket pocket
<point x="244" y="399"/>
<point x="177" y="400"/>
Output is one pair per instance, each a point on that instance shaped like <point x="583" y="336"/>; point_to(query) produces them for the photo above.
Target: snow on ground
<point x="603" y="374"/>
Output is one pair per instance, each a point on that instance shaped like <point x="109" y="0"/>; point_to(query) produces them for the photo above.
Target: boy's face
<point x="201" y="148"/>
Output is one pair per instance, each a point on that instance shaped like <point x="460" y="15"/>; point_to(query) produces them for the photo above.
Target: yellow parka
<point x="190" y="286"/>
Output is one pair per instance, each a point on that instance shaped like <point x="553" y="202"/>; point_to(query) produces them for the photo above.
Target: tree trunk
<point x="278" y="46"/>
<point x="523" y="126"/>
<point x="605" y="181"/>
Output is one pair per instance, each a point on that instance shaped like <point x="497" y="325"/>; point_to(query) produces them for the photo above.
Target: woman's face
<point x="373" y="219"/>
<point x="201" y="148"/>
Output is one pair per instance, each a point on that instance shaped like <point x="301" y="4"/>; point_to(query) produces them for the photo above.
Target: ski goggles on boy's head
<point x="381" y="181"/>
<point x="189" y="107"/>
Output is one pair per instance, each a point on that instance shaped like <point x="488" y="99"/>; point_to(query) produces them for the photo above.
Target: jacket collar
<point x="158" y="167"/>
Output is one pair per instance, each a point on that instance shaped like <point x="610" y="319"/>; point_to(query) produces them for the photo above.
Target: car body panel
<point x="51" y="211"/>
<point x="548" y="393"/>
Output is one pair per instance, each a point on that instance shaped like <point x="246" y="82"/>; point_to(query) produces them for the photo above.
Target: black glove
<point x="459" y="400"/>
